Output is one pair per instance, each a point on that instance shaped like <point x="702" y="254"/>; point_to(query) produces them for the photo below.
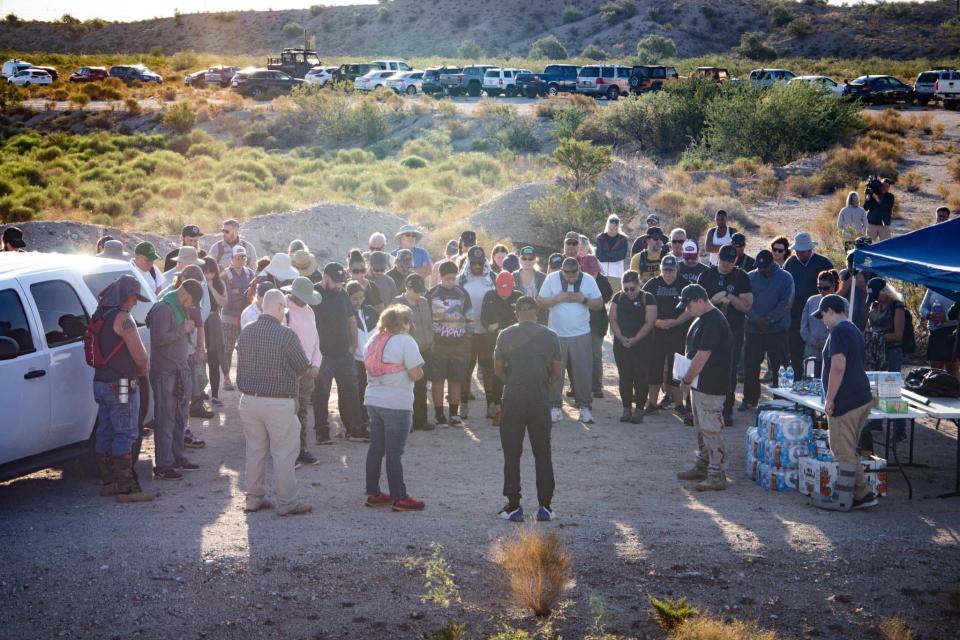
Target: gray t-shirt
<point x="527" y="350"/>
<point x="394" y="390"/>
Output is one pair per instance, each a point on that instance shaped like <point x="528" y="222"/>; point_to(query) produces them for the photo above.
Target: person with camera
<point x="878" y="202"/>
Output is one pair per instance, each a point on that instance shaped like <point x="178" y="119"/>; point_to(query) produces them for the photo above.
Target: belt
<point x="261" y="395"/>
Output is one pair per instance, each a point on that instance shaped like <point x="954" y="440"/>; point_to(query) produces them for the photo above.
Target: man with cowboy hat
<point x="409" y="236"/>
<point x="113" y="249"/>
<point x="305" y="263"/>
<point x="301" y="298"/>
<point x="805" y="267"/>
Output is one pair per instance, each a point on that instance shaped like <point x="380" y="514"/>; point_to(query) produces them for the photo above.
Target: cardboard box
<point x="876" y="472"/>
<point x="885" y="384"/>
<point x="819" y="478"/>
<point x="891" y="405"/>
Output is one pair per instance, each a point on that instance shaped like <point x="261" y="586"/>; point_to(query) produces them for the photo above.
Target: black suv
<point x="261" y="83"/>
<point x="350" y="72"/>
<point x="651" y="77"/>
<point x="431" y="79"/>
<point x="878" y="89"/>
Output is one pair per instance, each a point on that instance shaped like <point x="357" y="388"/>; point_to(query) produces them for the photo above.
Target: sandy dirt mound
<point x="508" y="215"/>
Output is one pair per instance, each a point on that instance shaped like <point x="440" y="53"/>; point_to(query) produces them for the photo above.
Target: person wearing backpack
<point x="113" y="347"/>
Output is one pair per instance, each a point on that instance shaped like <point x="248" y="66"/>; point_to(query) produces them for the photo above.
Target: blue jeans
<point x="117" y="423"/>
<point x="171" y="392"/>
<point x="388" y="435"/>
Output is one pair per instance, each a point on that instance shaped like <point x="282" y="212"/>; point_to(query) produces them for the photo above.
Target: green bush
<point x="571" y="14"/>
<point x="695" y="224"/>
<point x="484" y="169"/>
<point x="583" y="162"/>
<point x="564" y="209"/>
<point x="353" y="121"/>
<point x="316" y="9"/>
<point x="180" y="118"/>
<point x="470" y="50"/>
<point x="413" y="162"/>
<point x="779" y="14"/>
<point x="617" y="10"/>
<point x="183" y="60"/>
<point x="800" y="28"/>
<point x="397" y="183"/>
<point x="653" y="49"/>
<point x="548" y="47"/>
<point x="567" y="119"/>
<point x="753" y="47"/>
<point x="594" y="52"/>
<point x="518" y="133"/>
<point x="293" y="30"/>
<point x="10" y="95"/>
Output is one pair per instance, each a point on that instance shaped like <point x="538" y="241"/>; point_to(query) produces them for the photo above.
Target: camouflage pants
<point x="708" y="418"/>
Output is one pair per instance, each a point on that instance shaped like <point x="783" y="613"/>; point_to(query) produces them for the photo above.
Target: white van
<point x="13" y="67"/>
<point x="47" y="410"/>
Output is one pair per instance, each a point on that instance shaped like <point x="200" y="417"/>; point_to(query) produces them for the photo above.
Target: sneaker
<point x="637" y="417"/>
<point x="544" y="514"/>
<point x="186" y="465"/>
<point x="650" y="409"/>
<point x="696" y="473"/>
<point x="379" y="500"/>
<point x="200" y="410"/>
<point x="626" y="415"/>
<point x="744" y="407"/>
<point x="358" y="435"/>
<point x="456" y="421"/>
<point x="866" y="502"/>
<point x="166" y="474"/>
<point x="666" y="403"/>
<point x="556" y="415"/>
<point x="598" y="394"/>
<point x="192" y="442"/>
<point x="217" y="402"/>
<point x="440" y="418"/>
<point x="713" y="483"/>
<point x="585" y="416"/>
<point x="727" y="420"/>
<point x="408" y="504"/>
<point x="298" y="509"/>
<point x="306" y="457"/>
<point x="515" y="515"/>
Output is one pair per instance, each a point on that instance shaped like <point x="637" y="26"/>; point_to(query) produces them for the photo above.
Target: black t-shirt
<point x="854" y="389"/>
<point x="746" y="263"/>
<point x="333" y="315"/>
<point x="690" y="275"/>
<point x="632" y="314"/>
<point x="879" y="211"/>
<point x="667" y="297"/>
<point x="735" y="282"/>
<point x="710" y="332"/>
<point x="371" y="295"/>
<point x="527" y="349"/>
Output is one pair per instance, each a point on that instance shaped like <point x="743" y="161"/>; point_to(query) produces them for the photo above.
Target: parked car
<point x="89" y="74"/>
<point x="350" y="72"/>
<point x="320" y="75"/>
<point x="51" y="70"/>
<point x="468" y="80"/>
<point x="258" y="83"/>
<point x="29" y="77"/>
<point x="716" y="74"/>
<point x="196" y="79"/>
<point x="46" y="301"/>
<point x="947" y="88"/>
<point x="651" y="77"/>
<point x="769" y="77"/>
<point x="408" y="82"/>
<point x="220" y="74"/>
<point x="607" y="80"/>
<point x="393" y="65"/>
<point x="499" y="81"/>
<point x="822" y="82"/>
<point x="13" y="67"/>
<point x="431" y="79"/>
<point x="924" y="86"/>
<point x="373" y="80"/>
<point x="294" y="62"/>
<point x="554" y="79"/>
<point x="133" y="72"/>
<point x="878" y="89"/>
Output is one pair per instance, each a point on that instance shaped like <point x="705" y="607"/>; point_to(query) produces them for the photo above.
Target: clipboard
<point x="681" y="365"/>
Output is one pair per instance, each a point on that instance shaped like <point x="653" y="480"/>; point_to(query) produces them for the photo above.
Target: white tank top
<point x="720" y="241"/>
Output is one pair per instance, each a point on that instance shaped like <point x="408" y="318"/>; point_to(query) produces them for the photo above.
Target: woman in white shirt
<point x="852" y="221"/>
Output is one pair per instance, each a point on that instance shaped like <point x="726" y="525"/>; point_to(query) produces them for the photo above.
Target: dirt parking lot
<point x="192" y="565"/>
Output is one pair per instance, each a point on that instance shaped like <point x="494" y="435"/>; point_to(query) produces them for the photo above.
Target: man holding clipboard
<point x="705" y="372"/>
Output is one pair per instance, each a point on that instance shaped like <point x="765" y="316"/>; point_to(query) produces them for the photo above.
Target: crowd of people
<point x="395" y="329"/>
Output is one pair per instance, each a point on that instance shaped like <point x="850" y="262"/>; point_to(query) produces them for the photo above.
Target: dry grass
<point x="709" y="629"/>
<point x="895" y="629"/>
<point x="677" y="179"/>
<point x="549" y="106"/>
<point x="744" y="168"/>
<point x="954" y="168"/>
<point x="802" y="186"/>
<point x="538" y="567"/>
<point x="712" y="186"/>
<point x="912" y="181"/>
<point x="671" y="203"/>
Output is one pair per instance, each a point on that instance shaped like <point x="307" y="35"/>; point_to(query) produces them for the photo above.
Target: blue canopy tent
<point x="929" y="257"/>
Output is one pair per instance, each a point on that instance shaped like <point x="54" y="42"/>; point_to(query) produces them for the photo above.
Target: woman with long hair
<point x="357" y="268"/>
<point x="497" y="256"/>
<point x="780" y="248"/>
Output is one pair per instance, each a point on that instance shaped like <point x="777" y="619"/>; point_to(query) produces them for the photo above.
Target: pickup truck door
<point x="25" y="387"/>
<point x="62" y="319"/>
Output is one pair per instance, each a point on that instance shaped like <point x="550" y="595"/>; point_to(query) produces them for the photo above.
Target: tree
<point x="316" y="9"/>
<point x="583" y="162"/>
<point x="470" y="50"/>
<point x="653" y="49"/>
<point x="293" y="30"/>
<point x="753" y="47"/>
<point x="12" y="19"/>
<point x="593" y="52"/>
<point x="548" y="47"/>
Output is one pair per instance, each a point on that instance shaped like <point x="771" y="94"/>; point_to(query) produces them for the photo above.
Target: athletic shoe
<point x="192" y="442"/>
<point x="544" y="514"/>
<point x="556" y="415"/>
<point x="306" y="457"/>
<point x="650" y="409"/>
<point x="585" y="416"/>
<point x="358" y="435"/>
<point x="627" y="415"/>
<point x="598" y="394"/>
<point x="185" y="465"/>
<point x="166" y="474"/>
<point x="866" y="502"/>
<point x="456" y="421"/>
<point x="201" y="410"/>
<point x="516" y="515"/>
<point x="379" y="500"/>
<point x="666" y="403"/>
<point x="637" y="417"/>
<point x="408" y="504"/>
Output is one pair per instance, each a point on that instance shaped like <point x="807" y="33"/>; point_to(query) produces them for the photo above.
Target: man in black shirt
<point x="879" y="208"/>
<point x="527" y="359"/>
<point x="805" y="265"/>
<point x="189" y="237"/>
<point x="744" y="261"/>
<point x="691" y="268"/>
<point x="708" y="377"/>
<point x="729" y="289"/>
<point x="337" y="328"/>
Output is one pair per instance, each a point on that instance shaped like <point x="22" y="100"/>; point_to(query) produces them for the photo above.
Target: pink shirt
<point x="303" y="323"/>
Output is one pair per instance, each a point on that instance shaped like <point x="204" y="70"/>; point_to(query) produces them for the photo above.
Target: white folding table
<point x="941" y="409"/>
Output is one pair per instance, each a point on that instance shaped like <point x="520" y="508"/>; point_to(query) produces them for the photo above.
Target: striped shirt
<point x="270" y="359"/>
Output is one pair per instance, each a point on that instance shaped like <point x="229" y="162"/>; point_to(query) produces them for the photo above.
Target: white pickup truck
<point x="47" y="411"/>
<point x="947" y="88"/>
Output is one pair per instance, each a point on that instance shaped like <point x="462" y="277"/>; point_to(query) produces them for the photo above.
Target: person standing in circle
<point x="632" y="318"/>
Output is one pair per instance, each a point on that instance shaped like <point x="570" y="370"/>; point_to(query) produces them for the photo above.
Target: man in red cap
<point x="498" y="312"/>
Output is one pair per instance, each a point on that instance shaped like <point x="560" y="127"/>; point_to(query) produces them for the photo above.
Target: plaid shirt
<point x="270" y="359"/>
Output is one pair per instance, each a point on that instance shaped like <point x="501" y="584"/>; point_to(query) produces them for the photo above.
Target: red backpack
<point x="373" y="358"/>
<point x="92" y="352"/>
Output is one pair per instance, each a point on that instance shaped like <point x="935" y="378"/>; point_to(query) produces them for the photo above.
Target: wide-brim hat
<point x="304" y="262"/>
<point x="803" y="241"/>
<point x="302" y="289"/>
<point x="409" y="228"/>
<point x="188" y="256"/>
<point x="280" y="267"/>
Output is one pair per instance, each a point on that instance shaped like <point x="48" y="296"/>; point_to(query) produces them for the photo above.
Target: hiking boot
<point x="627" y="415"/>
<point x="866" y="502"/>
<point x="108" y="474"/>
<point x="259" y="505"/>
<point x="637" y="417"/>
<point x="306" y="457"/>
<point x="713" y="482"/>
<point x="199" y="409"/>
<point x="408" y="504"/>
<point x="379" y="500"/>
<point x="166" y="474"/>
<point x="298" y="509"/>
<point x="698" y="472"/>
<point x="128" y="489"/>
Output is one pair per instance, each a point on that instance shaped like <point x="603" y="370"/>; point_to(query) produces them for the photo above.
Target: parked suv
<point x="715" y="74"/>
<point x="431" y="78"/>
<point x="88" y="74"/>
<point x="29" y="77"/>
<point x="132" y="72"/>
<point x="769" y="77"/>
<point x="468" y="81"/>
<point x="259" y="83"/>
<point x="393" y="65"/>
<point x="46" y="301"/>
<point x="878" y="89"/>
<point x="924" y="86"/>
<point x="352" y="71"/>
<point x="947" y="88"/>
<point x="554" y="79"/>
<point x="651" y="77"/>
<point x="499" y="81"/>
<point x="604" y="80"/>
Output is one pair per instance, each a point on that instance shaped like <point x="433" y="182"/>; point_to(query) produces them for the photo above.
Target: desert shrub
<point x="911" y="181"/>
<point x="779" y="14"/>
<point x="548" y="47"/>
<point x="353" y="121"/>
<point x="180" y="117"/>
<point x="10" y="95"/>
<point x="19" y="213"/>
<point x="571" y="14"/>
<point x="397" y="183"/>
<point x="695" y="223"/>
<point x="488" y="171"/>
<point x="413" y="162"/>
<point x="470" y="50"/>
<point x="753" y="47"/>
<point x="80" y="99"/>
<point x="594" y="52"/>
<point x="515" y="132"/>
<point x="617" y="10"/>
<point x="670" y="614"/>
<point x="888" y="120"/>
<point x="538" y="567"/>
<point x="954" y="168"/>
<point x="582" y="162"/>
<point x="292" y="30"/>
<point x="654" y="48"/>
<point x="561" y="210"/>
<point x="709" y="629"/>
<point x="316" y="9"/>
<point x="800" y="28"/>
<point x="670" y="203"/>
<point x="896" y="629"/>
<point x="132" y="105"/>
<point x="801" y="186"/>
<point x="436" y="149"/>
<point x="567" y="120"/>
<point x="183" y="60"/>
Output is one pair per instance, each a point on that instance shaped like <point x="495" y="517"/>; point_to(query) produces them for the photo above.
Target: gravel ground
<point x="192" y="565"/>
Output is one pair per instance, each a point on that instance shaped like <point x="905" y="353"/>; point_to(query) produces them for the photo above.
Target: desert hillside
<point x="417" y="28"/>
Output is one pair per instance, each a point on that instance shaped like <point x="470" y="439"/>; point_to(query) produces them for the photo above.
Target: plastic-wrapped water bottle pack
<point x="774" y="448"/>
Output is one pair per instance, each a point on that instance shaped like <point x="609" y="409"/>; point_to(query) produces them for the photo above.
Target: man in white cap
<point x="222" y="250"/>
<point x="805" y="267"/>
<point x="409" y="236"/>
<point x="691" y="268"/>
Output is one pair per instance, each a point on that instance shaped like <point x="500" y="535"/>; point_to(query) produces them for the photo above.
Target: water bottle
<point x="782" y="377"/>
<point x="937" y="309"/>
<point x="790" y="377"/>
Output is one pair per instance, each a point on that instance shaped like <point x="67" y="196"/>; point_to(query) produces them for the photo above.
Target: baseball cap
<point x="654" y="232"/>
<point x="128" y="286"/>
<point x="378" y="261"/>
<point x="690" y="247"/>
<point x="528" y="251"/>
<point x="263" y="287"/>
<point x="404" y="255"/>
<point x="875" y="286"/>
<point x="690" y="293"/>
<point x="191" y="231"/>
<point x="728" y="253"/>
<point x="194" y="288"/>
<point x="591" y="265"/>
<point x="476" y="254"/>
<point x="14" y="237"/>
<point x="451" y="249"/>
<point x="555" y="261"/>
<point x="239" y="250"/>
<point x="833" y="302"/>
<point x="668" y="263"/>
<point x="526" y="303"/>
<point x="504" y="284"/>
<point x="653" y="218"/>
<point x="764" y="259"/>
<point x="147" y="250"/>
<point x="468" y="237"/>
<point x="336" y="272"/>
<point x="738" y="240"/>
<point x="415" y="281"/>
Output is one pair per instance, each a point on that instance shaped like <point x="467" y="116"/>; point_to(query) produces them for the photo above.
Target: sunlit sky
<point x="125" y="10"/>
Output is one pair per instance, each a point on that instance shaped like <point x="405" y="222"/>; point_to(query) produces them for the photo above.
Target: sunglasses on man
<point x="572" y="242"/>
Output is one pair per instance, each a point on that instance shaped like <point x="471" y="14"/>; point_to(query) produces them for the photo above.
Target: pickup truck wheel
<point x="613" y="93"/>
<point x="474" y="89"/>
<point x="511" y="91"/>
<point x="411" y="90"/>
<point x="553" y="90"/>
